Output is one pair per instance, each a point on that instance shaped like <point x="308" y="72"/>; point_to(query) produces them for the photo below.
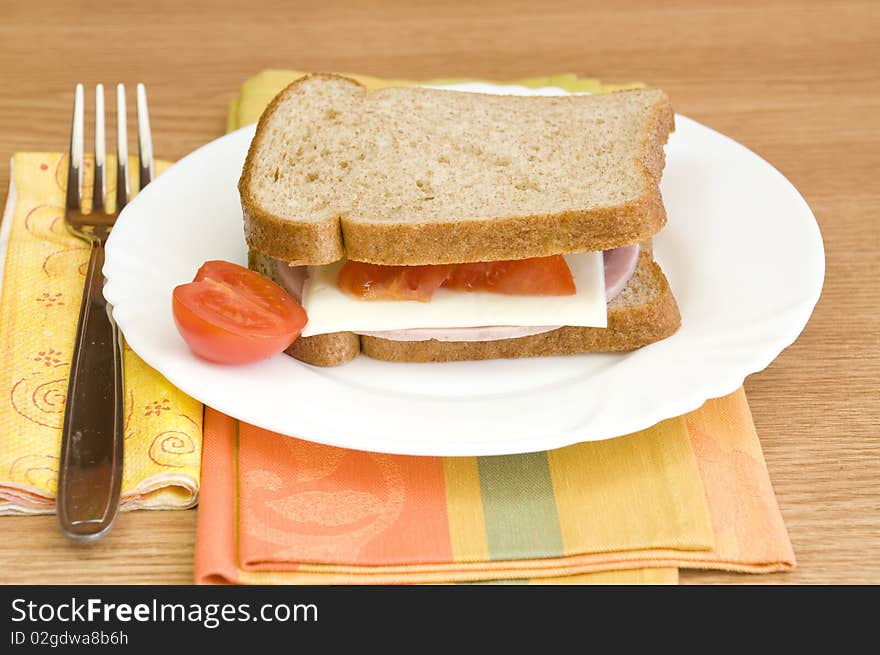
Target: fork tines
<point x="145" y="149"/>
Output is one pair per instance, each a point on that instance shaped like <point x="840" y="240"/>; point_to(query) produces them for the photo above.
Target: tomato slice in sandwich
<point x="232" y="315"/>
<point x="378" y="282"/>
<point x="538" y="276"/>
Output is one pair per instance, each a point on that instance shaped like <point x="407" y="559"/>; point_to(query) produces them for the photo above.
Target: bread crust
<point x="326" y="349"/>
<point x="515" y="237"/>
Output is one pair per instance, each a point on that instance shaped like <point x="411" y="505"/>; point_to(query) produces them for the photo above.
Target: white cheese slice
<point x="332" y="310"/>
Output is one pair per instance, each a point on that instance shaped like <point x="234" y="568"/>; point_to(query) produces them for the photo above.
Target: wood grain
<point x="797" y="81"/>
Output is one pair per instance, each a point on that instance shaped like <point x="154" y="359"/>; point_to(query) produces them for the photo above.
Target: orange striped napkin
<point x="689" y="492"/>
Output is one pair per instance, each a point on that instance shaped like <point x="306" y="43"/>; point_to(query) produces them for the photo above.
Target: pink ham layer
<point x="620" y="264"/>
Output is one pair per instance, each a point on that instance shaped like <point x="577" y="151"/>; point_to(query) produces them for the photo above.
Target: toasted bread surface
<point x="425" y="176"/>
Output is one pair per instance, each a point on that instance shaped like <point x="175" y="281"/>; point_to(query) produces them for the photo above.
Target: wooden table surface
<point x="796" y="81"/>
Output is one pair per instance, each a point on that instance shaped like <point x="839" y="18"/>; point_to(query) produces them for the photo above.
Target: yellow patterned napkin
<point x="42" y="284"/>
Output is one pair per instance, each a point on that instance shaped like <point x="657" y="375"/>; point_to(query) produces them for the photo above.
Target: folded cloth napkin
<point x="689" y="492"/>
<point x="42" y="272"/>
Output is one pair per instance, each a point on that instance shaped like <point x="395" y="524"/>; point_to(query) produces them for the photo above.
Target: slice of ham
<point x="292" y="278"/>
<point x="483" y="333"/>
<point x="620" y="264"/>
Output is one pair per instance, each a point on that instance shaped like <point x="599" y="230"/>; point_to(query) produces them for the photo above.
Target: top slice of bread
<point x="426" y="176"/>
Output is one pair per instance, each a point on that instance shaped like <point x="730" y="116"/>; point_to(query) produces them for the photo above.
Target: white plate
<point x="741" y="250"/>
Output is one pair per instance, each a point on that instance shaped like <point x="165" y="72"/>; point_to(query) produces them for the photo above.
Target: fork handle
<point x="90" y="471"/>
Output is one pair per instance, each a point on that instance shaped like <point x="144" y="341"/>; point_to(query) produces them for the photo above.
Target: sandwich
<point x="418" y="225"/>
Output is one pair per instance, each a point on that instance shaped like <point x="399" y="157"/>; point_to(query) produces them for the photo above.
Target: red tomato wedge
<point x="377" y="282"/>
<point x="538" y="276"/>
<point x="232" y="315"/>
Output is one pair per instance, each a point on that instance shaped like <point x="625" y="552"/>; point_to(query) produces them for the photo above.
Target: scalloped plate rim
<point x="317" y="428"/>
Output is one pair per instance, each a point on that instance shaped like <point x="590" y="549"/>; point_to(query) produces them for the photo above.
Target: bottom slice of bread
<point x="644" y="312"/>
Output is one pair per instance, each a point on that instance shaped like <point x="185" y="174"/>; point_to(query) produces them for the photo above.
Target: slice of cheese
<point x="332" y="310"/>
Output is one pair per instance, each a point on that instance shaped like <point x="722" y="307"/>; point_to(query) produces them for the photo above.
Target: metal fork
<point x="90" y="472"/>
